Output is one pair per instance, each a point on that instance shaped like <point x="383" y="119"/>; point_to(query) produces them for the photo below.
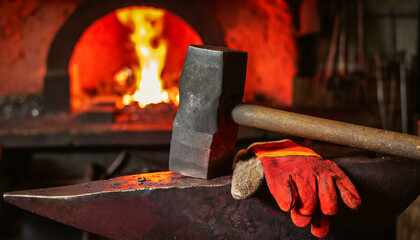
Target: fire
<point x="151" y="49"/>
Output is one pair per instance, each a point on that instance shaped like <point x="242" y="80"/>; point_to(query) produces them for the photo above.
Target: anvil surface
<point x="167" y="205"/>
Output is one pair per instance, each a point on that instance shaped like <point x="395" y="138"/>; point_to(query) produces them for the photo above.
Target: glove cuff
<point x="280" y="148"/>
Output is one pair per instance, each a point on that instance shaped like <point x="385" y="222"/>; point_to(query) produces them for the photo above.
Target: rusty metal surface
<point x="386" y="185"/>
<point x="327" y="130"/>
<point x="166" y="205"/>
<point x="64" y="130"/>
<point x="203" y="137"/>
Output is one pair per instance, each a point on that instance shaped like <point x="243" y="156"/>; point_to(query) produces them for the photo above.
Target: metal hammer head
<point x="204" y="137"/>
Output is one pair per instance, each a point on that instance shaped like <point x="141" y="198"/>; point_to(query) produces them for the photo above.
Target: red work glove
<point x="298" y="177"/>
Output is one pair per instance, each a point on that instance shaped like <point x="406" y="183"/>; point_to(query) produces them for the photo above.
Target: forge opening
<point x="132" y="56"/>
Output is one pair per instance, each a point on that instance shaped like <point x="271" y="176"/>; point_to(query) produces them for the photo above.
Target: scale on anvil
<point x="170" y="205"/>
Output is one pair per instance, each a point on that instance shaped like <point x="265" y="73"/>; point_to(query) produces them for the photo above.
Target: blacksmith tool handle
<point x="348" y="134"/>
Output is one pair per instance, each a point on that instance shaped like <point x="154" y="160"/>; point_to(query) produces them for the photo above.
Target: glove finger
<point x="348" y="191"/>
<point x="306" y="188"/>
<point x="279" y="184"/>
<point x="320" y="225"/>
<point x="327" y="195"/>
<point x="298" y="219"/>
<point x="283" y="191"/>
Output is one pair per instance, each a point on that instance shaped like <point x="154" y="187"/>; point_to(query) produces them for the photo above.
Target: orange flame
<point x="151" y="49"/>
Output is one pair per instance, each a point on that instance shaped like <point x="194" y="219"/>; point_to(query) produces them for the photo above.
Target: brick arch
<point x="56" y="90"/>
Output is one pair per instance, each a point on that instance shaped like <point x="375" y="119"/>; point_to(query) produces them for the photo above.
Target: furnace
<point x="89" y="91"/>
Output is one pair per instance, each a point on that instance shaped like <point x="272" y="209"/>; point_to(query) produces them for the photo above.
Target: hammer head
<point x="204" y="136"/>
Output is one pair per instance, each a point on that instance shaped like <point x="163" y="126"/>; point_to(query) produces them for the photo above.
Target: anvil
<point x="167" y="205"/>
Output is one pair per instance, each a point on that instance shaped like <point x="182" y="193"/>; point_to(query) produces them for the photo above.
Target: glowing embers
<point x="151" y="47"/>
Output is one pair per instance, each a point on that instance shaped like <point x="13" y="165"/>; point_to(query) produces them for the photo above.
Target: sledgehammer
<point x="206" y="125"/>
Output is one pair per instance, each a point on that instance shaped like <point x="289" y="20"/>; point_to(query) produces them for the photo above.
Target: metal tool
<point x="330" y="64"/>
<point x="360" y="37"/>
<point x="380" y="92"/>
<point x="342" y="44"/>
<point x="204" y="129"/>
<point x="394" y="72"/>
<point x="167" y="205"/>
<point x="403" y="93"/>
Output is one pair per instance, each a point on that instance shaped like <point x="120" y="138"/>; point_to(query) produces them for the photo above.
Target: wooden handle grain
<point x="327" y="130"/>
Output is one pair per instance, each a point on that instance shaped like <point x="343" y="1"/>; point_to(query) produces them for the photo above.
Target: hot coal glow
<point x="132" y="56"/>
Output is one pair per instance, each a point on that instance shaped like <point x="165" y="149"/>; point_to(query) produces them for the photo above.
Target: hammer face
<point x="204" y="137"/>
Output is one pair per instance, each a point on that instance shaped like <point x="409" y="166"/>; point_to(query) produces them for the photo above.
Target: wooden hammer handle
<point x="327" y="130"/>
